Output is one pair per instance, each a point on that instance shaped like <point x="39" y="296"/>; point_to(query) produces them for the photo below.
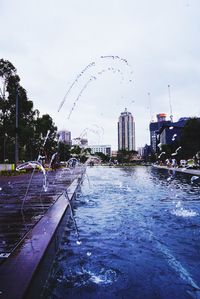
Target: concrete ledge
<point x="182" y="170"/>
<point x="17" y="272"/>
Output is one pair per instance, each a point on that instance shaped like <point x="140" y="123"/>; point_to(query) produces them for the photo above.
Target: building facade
<point x="105" y="149"/>
<point x="126" y="131"/>
<point x="170" y="134"/>
<point x="65" y="137"/>
<point x="154" y="128"/>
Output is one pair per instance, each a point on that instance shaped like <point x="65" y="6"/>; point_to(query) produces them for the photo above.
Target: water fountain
<point x="161" y="154"/>
<point x="176" y="151"/>
<point x="73" y="218"/>
<point x="112" y="59"/>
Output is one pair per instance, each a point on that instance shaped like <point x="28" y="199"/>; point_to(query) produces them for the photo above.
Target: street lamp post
<point x="4" y="147"/>
<point x="16" y="127"/>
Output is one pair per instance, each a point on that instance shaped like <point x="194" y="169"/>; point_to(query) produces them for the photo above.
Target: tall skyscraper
<point x="126" y="131"/>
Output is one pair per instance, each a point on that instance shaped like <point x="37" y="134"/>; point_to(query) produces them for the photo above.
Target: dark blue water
<point x="140" y="234"/>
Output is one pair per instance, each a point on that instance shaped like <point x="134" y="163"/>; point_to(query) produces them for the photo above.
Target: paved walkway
<point x="25" y="236"/>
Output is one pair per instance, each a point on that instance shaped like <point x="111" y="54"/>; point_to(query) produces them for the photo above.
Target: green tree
<point x="104" y="158"/>
<point x="43" y="125"/>
<point x="190" y="139"/>
<point x="32" y="129"/>
<point x="10" y="89"/>
<point x="125" y="156"/>
<point x="76" y="151"/>
<point x="64" y="151"/>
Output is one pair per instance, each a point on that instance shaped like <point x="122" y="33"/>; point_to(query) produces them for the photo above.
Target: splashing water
<point x="181" y="212"/>
<point x="32" y="164"/>
<point x="75" y="82"/>
<point x="78" y="242"/>
<point x="176" y="151"/>
<point x="194" y="178"/>
<point x="105" y="277"/>
<point x="98" y="132"/>
<point x="94" y="77"/>
<point x="80" y="94"/>
<point x="115" y="57"/>
<point x="46" y="137"/>
<point x="174" y="137"/>
<point x="163" y="153"/>
<point x="52" y="159"/>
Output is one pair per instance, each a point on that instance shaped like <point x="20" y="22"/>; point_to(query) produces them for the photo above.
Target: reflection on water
<point x="140" y="234"/>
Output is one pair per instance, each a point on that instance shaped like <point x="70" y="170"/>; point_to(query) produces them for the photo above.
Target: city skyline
<point x="101" y="57"/>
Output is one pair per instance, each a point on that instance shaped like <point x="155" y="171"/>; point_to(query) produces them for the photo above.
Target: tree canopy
<point x="190" y="140"/>
<point x="32" y="128"/>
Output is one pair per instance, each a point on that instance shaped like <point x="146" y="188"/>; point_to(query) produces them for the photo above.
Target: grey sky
<point x="51" y="42"/>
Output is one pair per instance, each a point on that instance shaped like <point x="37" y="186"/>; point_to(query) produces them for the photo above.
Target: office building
<point x="154" y="128"/>
<point x="105" y="149"/>
<point x="126" y="131"/>
<point x="65" y="137"/>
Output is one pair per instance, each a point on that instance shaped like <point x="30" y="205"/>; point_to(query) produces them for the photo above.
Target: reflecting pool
<point x="140" y="237"/>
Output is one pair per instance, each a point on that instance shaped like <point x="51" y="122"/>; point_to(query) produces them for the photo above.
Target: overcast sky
<point x="155" y="43"/>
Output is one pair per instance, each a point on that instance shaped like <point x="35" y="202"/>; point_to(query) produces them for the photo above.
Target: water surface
<point x="140" y="237"/>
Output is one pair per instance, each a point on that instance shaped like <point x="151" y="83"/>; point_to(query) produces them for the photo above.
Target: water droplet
<point x="194" y="178"/>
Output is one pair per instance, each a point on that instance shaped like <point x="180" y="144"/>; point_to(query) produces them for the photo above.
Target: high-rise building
<point x="126" y="131"/>
<point x="154" y="128"/>
<point x="65" y="137"/>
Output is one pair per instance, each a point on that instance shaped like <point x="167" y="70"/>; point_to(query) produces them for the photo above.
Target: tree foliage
<point x="64" y="151"/>
<point x="31" y="128"/>
<point x="125" y="156"/>
<point x="104" y="158"/>
<point x="190" y="140"/>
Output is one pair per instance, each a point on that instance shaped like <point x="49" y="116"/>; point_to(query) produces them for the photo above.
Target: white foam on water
<point x="184" y="213"/>
<point x="181" y="212"/>
<point x="96" y="279"/>
<point x="108" y="277"/>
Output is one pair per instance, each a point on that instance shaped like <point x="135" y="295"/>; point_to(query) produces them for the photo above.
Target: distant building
<point x="65" y="137"/>
<point x="105" y="149"/>
<point x="154" y="128"/>
<point x="170" y="133"/>
<point x="82" y="142"/>
<point x="126" y="131"/>
<point x="140" y="151"/>
<point x="114" y="154"/>
<point x="147" y="152"/>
